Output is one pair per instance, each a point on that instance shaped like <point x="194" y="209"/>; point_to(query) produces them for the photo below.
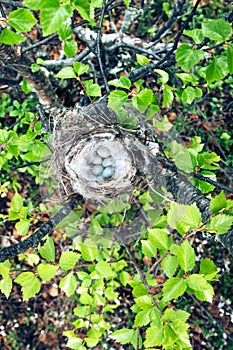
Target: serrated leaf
<point x="164" y="77"/>
<point x="68" y="260"/>
<point x="80" y="68"/>
<point x="47" y="251"/>
<point x="65" y="32"/>
<point x="173" y="288"/>
<point x="142" y="318"/>
<point x="6" y="286"/>
<point x="104" y="269"/>
<point x="22" y="227"/>
<point x="46" y="271"/>
<point x="154" y="336"/>
<point x="89" y="250"/>
<point x="68" y="284"/>
<point x="116" y="99"/>
<point x="168" y="95"/>
<point x="186" y="57"/>
<point x="169" y="265"/>
<point x="142" y="59"/>
<point x="66" y="73"/>
<point x="217" y="70"/>
<point x="217" y="203"/>
<point x="22" y="20"/>
<point x="70" y="48"/>
<point x="144" y="302"/>
<point x="16" y="202"/>
<point x="202" y="185"/>
<point x="29" y="283"/>
<point x="8" y="37"/>
<point x="33" y="4"/>
<point x="148" y="248"/>
<point x="123" y="83"/>
<point x="73" y="341"/>
<point x="170" y="337"/>
<point x="143" y="100"/>
<point x="230" y="58"/>
<point x="170" y="315"/>
<point x="53" y="16"/>
<point x="123" y="336"/>
<point x="220" y="224"/>
<point x="159" y="238"/>
<point x="218" y="30"/>
<point x="186" y="256"/>
<point x="188" y="95"/>
<point x="183" y="218"/>
<point x="203" y="290"/>
<point x="93" y="90"/>
<point x="196" y="34"/>
<point x="208" y="269"/>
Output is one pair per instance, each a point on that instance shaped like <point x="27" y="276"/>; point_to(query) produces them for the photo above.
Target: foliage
<point x="93" y="269"/>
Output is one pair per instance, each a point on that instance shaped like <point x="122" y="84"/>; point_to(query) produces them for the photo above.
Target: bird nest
<point x="96" y="157"/>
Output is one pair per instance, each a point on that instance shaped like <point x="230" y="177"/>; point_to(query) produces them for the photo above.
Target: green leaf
<point x="230" y="58"/>
<point x="70" y="48"/>
<point x="143" y="100"/>
<point x="66" y="73"/>
<point x="80" y="68"/>
<point x="104" y="270"/>
<point x="218" y="30"/>
<point x="53" y="16"/>
<point x="168" y="96"/>
<point x="202" y="289"/>
<point x="183" y="218"/>
<point x="220" y="224"/>
<point x="68" y="260"/>
<point x="169" y="265"/>
<point x="164" y="77"/>
<point x="196" y="34"/>
<point x="68" y="284"/>
<point x="46" y="271"/>
<point x="217" y="203"/>
<point x="142" y="318"/>
<point x="154" y="336"/>
<point x="47" y="251"/>
<point x="217" y="70"/>
<point x="159" y="238"/>
<point x="89" y="250"/>
<point x="123" y="83"/>
<point x="73" y="341"/>
<point x="186" y="57"/>
<point x="116" y="99"/>
<point x="29" y="283"/>
<point x="170" y="337"/>
<point x="173" y="288"/>
<point x="203" y="185"/>
<point x="208" y="269"/>
<point x="186" y="256"/>
<point x="6" y="286"/>
<point x="144" y="302"/>
<point x="65" y="32"/>
<point x="33" y="4"/>
<point x="188" y="95"/>
<point x="22" y="227"/>
<point x="170" y="315"/>
<point x="142" y="60"/>
<point x="22" y="20"/>
<point x="148" y="248"/>
<point x="187" y="78"/>
<point x="93" y="90"/>
<point x="123" y="336"/>
<point x="16" y="202"/>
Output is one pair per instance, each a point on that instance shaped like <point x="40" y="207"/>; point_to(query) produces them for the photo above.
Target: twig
<point x="13" y="3"/>
<point x="99" y="44"/>
<point x="34" y="240"/>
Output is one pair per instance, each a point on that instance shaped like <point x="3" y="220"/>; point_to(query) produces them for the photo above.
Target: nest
<point x="94" y="156"/>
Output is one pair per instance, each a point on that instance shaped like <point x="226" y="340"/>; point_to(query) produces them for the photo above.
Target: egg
<point x="97" y="159"/>
<point x="107" y="172"/>
<point x="97" y="170"/>
<point x="103" y="152"/>
<point x="107" y="162"/>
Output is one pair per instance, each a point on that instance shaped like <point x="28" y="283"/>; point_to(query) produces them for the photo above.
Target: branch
<point x="34" y="240"/>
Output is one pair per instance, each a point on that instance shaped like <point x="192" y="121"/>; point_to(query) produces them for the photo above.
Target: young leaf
<point x="202" y="289"/>
<point x="187" y="57"/>
<point x="217" y="70"/>
<point x="167" y="95"/>
<point x="29" y="283"/>
<point x="70" y="48"/>
<point x="143" y="100"/>
<point x="164" y="77"/>
<point x="159" y="238"/>
<point x="73" y="341"/>
<point x="8" y="37"/>
<point x="47" y="251"/>
<point x="196" y="34"/>
<point x="6" y="286"/>
<point x="66" y="73"/>
<point x="220" y="224"/>
<point x="68" y="260"/>
<point x="183" y="218"/>
<point x="104" y="269"/>
<point x="80" y="68"/>
<point x="188" y="95"/>
<point x="33" y="4"/>
<point x="116" y="99"/>
<point x="93" y="90"/>
<point x="142" y="60"/>
<point x="186" y="256"/>
<point x="68" y="284"/>
<point x="154" y="336"/>
<point x="22" y="20"/>
<point x="173" y="288"/>
<point x="217" y="203"/>
<point x="89" y="250"/>
<point x="148" y="248"/>
<point x="16" y="202"/>
<point x="123" y="83"/>
<point x="46" y="271"/>
<point x="65" y="32"/>
<point x="169" y="265"/>
<point x="208" y="269"/>
<point x="218" y="30"/>
<point x="142" y="318"/>
<point x="230" y="58"/>
<point x="22" y="227"/>
<point x="123" y="336"/>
